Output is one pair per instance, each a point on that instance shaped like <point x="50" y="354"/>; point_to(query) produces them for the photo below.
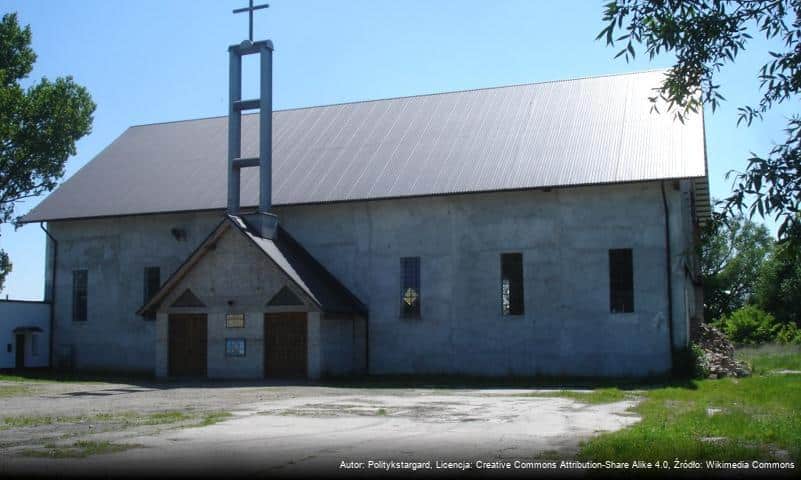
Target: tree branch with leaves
<point x="705" y="35"/>
<point x="39" y="125"/>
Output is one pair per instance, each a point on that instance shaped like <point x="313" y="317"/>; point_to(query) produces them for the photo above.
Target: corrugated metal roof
<point x="572" y="132"/>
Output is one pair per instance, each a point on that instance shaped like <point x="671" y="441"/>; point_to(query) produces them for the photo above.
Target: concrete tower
<point x="262" y="221"/>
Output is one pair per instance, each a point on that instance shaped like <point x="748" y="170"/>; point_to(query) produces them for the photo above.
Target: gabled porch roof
<point x="321" y="287"/>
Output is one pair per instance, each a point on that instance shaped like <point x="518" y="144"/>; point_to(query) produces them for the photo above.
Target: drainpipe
<point x="52" y="295"/>
<point x="366" y="346"/>
<point x="669" y="273"/>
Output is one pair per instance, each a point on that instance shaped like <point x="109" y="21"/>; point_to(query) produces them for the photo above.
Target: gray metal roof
<point x="574" y="132"/>
<point x="307" y="273"/>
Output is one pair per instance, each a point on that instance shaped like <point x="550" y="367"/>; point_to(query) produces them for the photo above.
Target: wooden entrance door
<point x="187" y="345"/>
<point x="20" y="351"/>
<point x="285" y="345"/>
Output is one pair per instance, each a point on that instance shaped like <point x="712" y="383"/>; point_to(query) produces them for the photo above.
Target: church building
<point x="538" y="229"/>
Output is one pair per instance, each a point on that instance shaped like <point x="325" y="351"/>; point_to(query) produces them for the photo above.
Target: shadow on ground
<point x="456" y="382"/>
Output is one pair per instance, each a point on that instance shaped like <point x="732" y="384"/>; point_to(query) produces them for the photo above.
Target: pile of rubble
<point x="718" y="351"/>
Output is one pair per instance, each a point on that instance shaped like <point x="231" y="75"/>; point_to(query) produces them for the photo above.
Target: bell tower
<point x="263" y="222"/>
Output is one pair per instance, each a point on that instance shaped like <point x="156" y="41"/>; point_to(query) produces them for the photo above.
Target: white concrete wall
<point x="314" y="341"/>
<point x="116" y="252"/>
<point x="161" y="347"/>
<point x="252" y="364"/>
<point x="563" y="234"/>
<point x="15" y="314"/>
<point x="343" y="345"/>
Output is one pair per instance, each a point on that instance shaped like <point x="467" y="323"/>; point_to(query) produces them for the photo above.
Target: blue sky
<point x="153" y="61"/>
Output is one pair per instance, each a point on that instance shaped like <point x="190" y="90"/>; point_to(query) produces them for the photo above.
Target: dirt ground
<point x="215" y="429"/>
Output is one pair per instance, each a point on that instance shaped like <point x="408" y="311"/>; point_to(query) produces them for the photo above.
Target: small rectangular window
<point x="512" y="284"/>
<point x="80" y="287"/>
<point x="234" y="347"/>
<point x="34" y="344"/>
<point x="621" y="281"/>
<point x="234" y="320"/>
<point x="410" y="287"/>
<point x="152" y="282"/>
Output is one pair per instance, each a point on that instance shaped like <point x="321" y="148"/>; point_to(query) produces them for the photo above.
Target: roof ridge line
<point x="401" y="97"/>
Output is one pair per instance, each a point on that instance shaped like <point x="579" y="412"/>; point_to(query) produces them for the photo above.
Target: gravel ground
<point x="286" y="430"/>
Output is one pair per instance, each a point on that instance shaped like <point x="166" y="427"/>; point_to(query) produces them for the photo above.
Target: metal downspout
<point x="669" y="273"/>
<point x="52" y="295"/>
<point x="369" y="269"/>
<point x="366" y="346"/>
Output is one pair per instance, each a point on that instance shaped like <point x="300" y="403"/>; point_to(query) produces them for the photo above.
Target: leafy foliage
<point x="732" y="253"/>
<point x="705" y="35"/>
<point x="778" y="288"/>
<point x="39" y="125"/>
<point x="750" y="325"/>
<point x="5" y="267"/>
<point x="789" y="333"/>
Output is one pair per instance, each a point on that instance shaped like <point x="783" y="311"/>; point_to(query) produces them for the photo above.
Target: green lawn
<point x="771" y="358"/>
<point x="598" y="395"/>
<point x="122" y="419"/>
<point x="79" y="449"/>
<point x="753" y="418"/>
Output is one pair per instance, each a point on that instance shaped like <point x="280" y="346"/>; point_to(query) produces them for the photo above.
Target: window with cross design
<point x="410" y="287"/>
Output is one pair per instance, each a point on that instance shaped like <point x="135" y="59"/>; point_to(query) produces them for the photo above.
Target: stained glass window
<point x="410" y="286"/>
<point x="512" y="283"/>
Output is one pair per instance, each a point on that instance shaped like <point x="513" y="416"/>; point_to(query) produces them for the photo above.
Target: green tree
<point x="705" y="35"/>
<point x="39" y="125"/>
<point x="778" y="289"/>
<point x="732" y="255"/>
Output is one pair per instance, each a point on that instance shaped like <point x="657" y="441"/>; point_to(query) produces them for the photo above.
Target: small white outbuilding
<point x="24" y="334"/>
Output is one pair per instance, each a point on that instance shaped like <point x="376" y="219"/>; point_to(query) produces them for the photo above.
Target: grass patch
<point x="54" y="376"/>
<point x="214" y="417"/>
<point x="550" y="455"/>
<point x="5" y="377"/>
<point x="134" y="418"/>
<point x="79" y="449"/>
<point x="161" y="418"/>
<point x="381" y="412"/>
<point x="35" y="421"/>
<point x="598" y="396"/>
<point x="13" y="390"/>
<point x="126" y="419"/>
<point x="756" y="417"/>
<point x="769" y="358"/>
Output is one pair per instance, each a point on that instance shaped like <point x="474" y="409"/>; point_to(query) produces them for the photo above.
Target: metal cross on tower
<point x="250" y="9"/>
